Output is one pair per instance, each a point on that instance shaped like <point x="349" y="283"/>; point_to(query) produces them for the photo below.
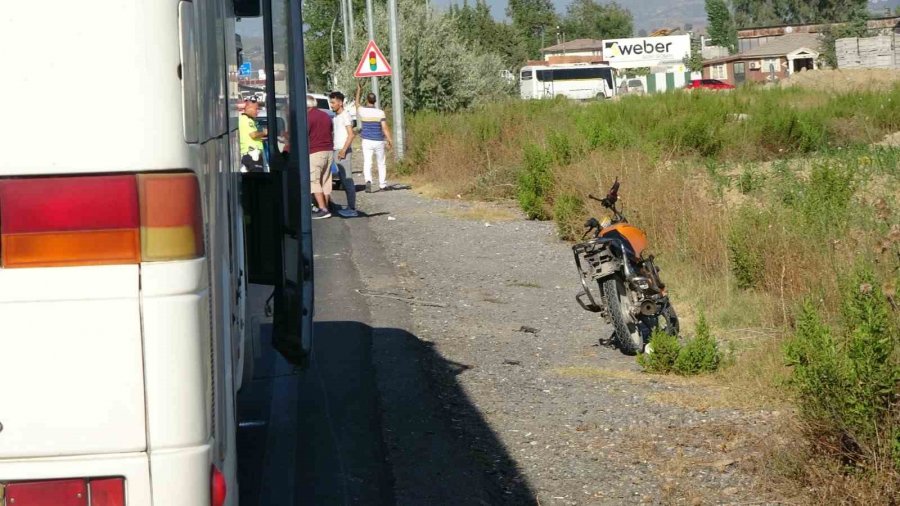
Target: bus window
<point x="526" y="75"/>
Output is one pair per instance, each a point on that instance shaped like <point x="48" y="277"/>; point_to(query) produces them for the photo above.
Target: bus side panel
<point x="181" y="477"/>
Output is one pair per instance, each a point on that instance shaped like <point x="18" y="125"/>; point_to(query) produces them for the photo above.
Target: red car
<point x="708" y="84"/>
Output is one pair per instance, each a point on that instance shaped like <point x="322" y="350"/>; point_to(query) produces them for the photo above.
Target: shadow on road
<point x="328" y="435"/>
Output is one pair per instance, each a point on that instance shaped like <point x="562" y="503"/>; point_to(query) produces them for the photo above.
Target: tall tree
<point x="749" y="13"/>
<point x="588" y="19"/>
<point x="722" y="29"/>
<point x="534" y="21"/>
<point x="478" y="28"/>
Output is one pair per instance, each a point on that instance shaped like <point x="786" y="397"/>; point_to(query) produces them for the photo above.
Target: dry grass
<point x="845" y="80"/>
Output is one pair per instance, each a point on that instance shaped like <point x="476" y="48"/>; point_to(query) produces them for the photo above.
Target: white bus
<point x="124" y="260"/>
<point x="576" y="81"/>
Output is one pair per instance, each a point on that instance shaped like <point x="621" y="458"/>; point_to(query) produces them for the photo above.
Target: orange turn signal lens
<point x="171" y="223"/>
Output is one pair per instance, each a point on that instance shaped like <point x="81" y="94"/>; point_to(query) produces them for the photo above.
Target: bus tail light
<point x="103" y="492"/>
<point x="108" y="492"/>
<point x="218" y="490"/>
<point x="48" y="493"/>
<point x="59" y="221"/>
<point x="99" y="220"/>
<point x="171" y="224"/>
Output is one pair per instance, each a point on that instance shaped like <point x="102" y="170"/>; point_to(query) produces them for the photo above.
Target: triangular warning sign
<point x="373" y="63"/>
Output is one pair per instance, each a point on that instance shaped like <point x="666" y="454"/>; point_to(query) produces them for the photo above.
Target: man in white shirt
<point x="343" y="138"/>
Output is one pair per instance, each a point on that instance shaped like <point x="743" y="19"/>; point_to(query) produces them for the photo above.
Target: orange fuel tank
<point x="635" y="237"/>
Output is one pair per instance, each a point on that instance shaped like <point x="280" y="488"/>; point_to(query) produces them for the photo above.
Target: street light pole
<point x="350" y="21"/>
<point x="346" y="26"/>
<point x="370" y="25"/>
<point x="333" y="84"/>
<point x="396" y="80"/>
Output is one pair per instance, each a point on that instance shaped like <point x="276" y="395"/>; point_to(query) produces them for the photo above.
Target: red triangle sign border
<point x="378" y="54"/>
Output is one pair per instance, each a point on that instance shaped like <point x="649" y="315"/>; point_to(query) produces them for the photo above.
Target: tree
<point x="694" y="62"/>
<point x="532" y="20"/>
<point x="441" y="71"/>
<point x="722" y="30"/>
<point x="749" y="13"/>
<point x="478" y="28"/>
<point x="588" y="19"/>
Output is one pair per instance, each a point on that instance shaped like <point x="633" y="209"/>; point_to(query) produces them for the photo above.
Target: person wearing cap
<point x="376" y="135"/>
<point x="251" y="138"/>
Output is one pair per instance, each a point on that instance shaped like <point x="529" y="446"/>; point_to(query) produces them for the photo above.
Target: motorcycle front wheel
<point x="628" y="336"/>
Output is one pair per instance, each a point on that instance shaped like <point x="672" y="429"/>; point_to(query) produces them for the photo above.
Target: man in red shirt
<point x="321" y="144"/>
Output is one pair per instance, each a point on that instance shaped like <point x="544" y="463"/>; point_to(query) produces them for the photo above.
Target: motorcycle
<point x="629" y="292"/>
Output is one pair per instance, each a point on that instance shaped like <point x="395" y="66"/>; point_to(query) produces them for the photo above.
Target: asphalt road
<point x="375" y="417"/>
<point x="313" y="436"/>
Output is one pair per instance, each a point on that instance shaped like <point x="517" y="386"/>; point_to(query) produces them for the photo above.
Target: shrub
<point x="566" y="210"/>
<point x="847" y="385"/>
<point x="665" y="352"/>
<point x="560" y="148"/>
<point x="535" y="181"/>
<point x="825" y="199"/>
<point x="750" y="180"/>
<point x="744" y="248"/>
<point x="700" y="354"/>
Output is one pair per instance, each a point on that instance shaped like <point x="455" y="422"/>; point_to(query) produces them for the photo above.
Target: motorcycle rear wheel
<point x="628" y="336"/>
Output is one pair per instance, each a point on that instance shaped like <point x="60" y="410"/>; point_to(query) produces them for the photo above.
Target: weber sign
<point x="646" y="51"/>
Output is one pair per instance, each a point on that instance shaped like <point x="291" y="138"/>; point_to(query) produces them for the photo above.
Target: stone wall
<point x="882" y="52"/>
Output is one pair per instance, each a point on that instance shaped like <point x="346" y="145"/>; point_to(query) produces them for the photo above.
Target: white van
<point x="124" y="261"/>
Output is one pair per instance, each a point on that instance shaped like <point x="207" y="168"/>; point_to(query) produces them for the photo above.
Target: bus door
<point x="277" y="204"/>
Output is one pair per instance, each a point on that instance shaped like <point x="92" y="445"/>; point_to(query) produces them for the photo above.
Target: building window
<point x="769" y="63"/>
<point x="719" y="71"/>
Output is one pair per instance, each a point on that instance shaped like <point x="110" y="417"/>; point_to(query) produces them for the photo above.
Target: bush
<point x="700" y="354"/>
<point x="566" y="211"/>
<point x="535" y="181"/>
<point x="744" y="248"/>
<point x="665" y="353"/>
<point x="847" y="385"/>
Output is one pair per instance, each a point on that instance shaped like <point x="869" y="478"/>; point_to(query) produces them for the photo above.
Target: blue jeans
<point x="345" y="172"/>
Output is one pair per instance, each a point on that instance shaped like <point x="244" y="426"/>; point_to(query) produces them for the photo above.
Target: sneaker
<point x="315" y="209"/>
<point x="368" y="187"/>
<point x="321" y="215"/>
<point x="348" y="213"/>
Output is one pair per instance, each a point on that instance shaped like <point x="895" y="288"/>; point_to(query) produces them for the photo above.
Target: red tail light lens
<point x="108" y="492"/>
<point x="60" y="221"/>
<point x="103" y="492"/>
<point x="219" y="490"/>
<point x="99" y="220"/>
<point x="48" y="493"/>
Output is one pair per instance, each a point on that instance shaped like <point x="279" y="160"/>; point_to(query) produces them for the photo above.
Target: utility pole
<point x="345" y="23"/>
<point x="333" y="65"/>
<point x="370" y="26"/>
<point x="350" y="22"/>
<point x="396" y="80"/>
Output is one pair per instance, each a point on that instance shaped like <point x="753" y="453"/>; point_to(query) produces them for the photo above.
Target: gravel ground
<point x="493" y="294"/>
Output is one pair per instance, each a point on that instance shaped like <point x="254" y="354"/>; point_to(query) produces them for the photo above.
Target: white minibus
<point x="127" y="243"/>
<point x="576" y="81"/>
